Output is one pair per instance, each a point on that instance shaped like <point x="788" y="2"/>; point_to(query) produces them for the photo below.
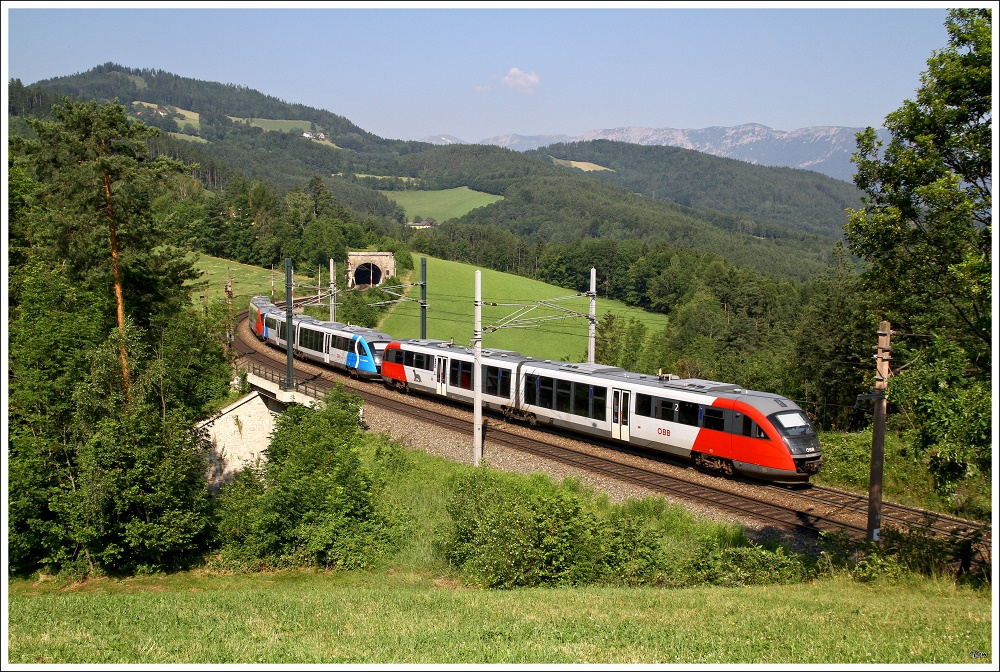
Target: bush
<point x="507" y="532"/>
<point x="749" y="566"/>
<point x="312" y="503"/>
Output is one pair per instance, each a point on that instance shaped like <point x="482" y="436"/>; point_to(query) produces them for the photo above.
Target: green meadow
<point x="248" y="281"/>
<point x="526" y="318"/>
<point x="545" y="329"/>
<point x="441" y="205"/>
<point x="283" y="125"/>
<point x="419" y="618"/>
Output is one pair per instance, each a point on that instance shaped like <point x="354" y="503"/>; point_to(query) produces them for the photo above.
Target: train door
<point x="619" y="414"/>
<point x="441" y="375"/>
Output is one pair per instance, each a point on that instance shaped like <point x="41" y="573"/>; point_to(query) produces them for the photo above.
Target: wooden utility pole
<point x="882" y="374"/>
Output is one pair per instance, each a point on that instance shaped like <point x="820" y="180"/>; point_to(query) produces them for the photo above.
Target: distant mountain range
<point x="824" y="149"/>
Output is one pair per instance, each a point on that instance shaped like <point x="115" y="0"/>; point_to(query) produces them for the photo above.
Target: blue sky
<point x="476" y="72"/>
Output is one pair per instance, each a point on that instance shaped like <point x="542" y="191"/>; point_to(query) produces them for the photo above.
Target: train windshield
<point x="378" y="348"/>
<point x="792" y="423"/>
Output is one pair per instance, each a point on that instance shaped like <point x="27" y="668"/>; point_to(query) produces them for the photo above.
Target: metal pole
<point x="878" y="433"/>
<point x="333" y="290"/>
<point x="592" y="338"/>
<point x="477" y="376"/>
<point x="423" y="297"/>
<point x="290" y="380"/>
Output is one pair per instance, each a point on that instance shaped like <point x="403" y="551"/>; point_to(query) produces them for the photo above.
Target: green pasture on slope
<point x="555" y="334"/>
<point x="247" y="281"/>
<point x="442" y="204"/>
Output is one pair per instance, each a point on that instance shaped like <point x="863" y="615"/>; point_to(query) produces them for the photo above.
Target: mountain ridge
<point x="823" y="149"/>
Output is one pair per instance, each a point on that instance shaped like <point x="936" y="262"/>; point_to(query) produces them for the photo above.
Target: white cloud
<point x="525" y="82"/>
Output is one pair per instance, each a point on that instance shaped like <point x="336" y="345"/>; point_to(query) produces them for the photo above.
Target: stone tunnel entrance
<point x="368" y="274"/>
<point x="369" y="268"/>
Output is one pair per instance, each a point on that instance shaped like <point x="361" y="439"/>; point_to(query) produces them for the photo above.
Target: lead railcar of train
<point x="717" y="425"/>
<point x="351" y="348"/>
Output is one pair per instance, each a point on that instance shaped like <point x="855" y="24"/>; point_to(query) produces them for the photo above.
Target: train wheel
<point x="532" y="419"/>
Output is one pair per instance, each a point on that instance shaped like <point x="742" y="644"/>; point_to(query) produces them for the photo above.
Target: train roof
<point x="766" y="402"/>
<point x="367" y="332"/>
<point x="431" y="343"/>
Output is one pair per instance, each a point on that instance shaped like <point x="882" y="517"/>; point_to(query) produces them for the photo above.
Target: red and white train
<point x="717" y="425"/>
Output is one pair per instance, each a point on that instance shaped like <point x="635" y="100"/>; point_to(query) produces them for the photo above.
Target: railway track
<point x="809" y="510"/>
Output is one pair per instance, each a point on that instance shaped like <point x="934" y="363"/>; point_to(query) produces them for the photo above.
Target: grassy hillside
<point x="585" y="166"/>
<point x="441" y="205"/>
<point x="450" y="313"/>
<point x="247" y="281"/>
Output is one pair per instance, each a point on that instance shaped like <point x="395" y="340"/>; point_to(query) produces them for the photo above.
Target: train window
<point x="394" y="356"/>
<point x="497" y="381"/>
<point x="714" y="418"/>
<point x="420" y="361"/>
<point x="667" y="408"/>
<point x="792" y="423"/>
<point x="531" y="383"/>
<point x="311" y="340"/>
<point x="545" y="391"/>
<point x="644" y="405"/>
<point x="600" y="397"/>
<point x="752" y="429"/>
<point x="460" y="374"/>
<point x="503" y="380"/>
<point x="687" y="413"/>
<point x="271" y="322"/>
<point x="564" y="396"/>
<point x="581" y="399"/>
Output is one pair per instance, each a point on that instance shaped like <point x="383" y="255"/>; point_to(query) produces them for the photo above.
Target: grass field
<point x="184" y="116"/>
<point x="585" y="166"/>
<point x="247" y="281"/>
<point x="450" y="312"/>
<point x="283" y="125"/>
<point x="443" y="204"/>
<point x="381" y="618"/>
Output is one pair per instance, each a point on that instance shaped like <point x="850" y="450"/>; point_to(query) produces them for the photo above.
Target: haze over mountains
<point x="824" y="149"/>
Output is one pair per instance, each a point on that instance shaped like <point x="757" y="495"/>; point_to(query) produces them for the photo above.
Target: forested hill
<point x="773" y="220"/>
<point x="798" y="199"/>
<point x="110" y="81"/>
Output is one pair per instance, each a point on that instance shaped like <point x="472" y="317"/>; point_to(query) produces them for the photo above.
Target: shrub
<point x="312" y="502"/>
<point x="749" y="566"/>
<point x="507" y="531"/>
